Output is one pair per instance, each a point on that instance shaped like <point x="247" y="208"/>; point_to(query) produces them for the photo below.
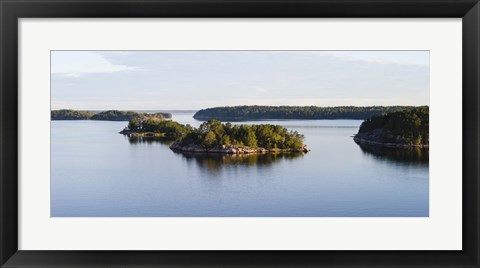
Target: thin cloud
<point x="407" y="58"/>
<point x="198" y="79"/>
<point x="78" y="63"/>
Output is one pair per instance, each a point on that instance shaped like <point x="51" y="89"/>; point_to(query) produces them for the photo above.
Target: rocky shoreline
<point x="194" y="148"/>
<point x="145" y="134"/>
<point x="374" y="137"/>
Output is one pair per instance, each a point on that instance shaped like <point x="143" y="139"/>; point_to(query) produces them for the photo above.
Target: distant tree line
<point x="213" y="134"/>
<point x="243" y="113"/>
<point x="408" y="127"/>
<point x="111" y="115"/>
<point x="71" y="115"/>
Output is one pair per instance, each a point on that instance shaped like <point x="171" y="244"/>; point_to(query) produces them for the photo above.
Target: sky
<point x="193" y="80"/>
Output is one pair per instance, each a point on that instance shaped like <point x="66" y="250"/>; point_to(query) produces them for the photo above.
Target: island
<point x="111" y="115"/>
<point x="214" y="137"/>
<point x="406" y="128"/>
<point x="67" y="114"/>
<point x="255" y="112"/>
<point x="155" y="126"/>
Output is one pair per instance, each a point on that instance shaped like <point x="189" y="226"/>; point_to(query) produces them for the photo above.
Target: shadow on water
<point x="150" y="140"/>
<point x="217" y="162"/>
<point x="213" y="162"/>
<point x="417" y="156"/>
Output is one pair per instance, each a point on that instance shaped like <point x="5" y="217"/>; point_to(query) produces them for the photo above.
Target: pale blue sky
<point x="191" y="80"/>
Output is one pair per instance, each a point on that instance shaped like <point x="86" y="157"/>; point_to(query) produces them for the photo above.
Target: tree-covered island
<point x="255" y="112"/>
<point x="154" y="126"/>
<point x="215" y="137"/>
<point x="111" y="115"/>
<point x="406" y="128"/>
<point x="67" y="114"/>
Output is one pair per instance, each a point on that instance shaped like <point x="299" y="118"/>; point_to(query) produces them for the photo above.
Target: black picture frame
<point x="12" y="10"/>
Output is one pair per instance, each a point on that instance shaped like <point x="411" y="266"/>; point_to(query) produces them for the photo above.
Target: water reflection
<point x="215" y="162"/>
<point x="150" y="140"/>
<point x="401" y="155"/>
<point x="96" y="172"/>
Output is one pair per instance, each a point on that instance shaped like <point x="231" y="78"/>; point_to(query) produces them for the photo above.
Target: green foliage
<point x="409" y="126"/>
<point x="134" y="124"/>
<point x="242" y="113"/>
<point x="158" y="115"/>
<point x="157" y="125"/>
<point x="210" y="139"/>
<point x="112" y="115"/>
<point x="213" y="133"/>
<point x="70" y="115"/>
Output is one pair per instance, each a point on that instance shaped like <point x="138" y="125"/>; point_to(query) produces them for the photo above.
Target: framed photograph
<point x="259" y="133"/>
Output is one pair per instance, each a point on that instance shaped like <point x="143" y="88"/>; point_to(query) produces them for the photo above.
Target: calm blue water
<point x="96" y="172"/>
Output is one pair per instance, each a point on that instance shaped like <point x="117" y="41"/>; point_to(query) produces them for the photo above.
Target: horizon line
<point x="143" y="109"/>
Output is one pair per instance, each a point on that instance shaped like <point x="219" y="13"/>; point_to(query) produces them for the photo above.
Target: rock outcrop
<point x="230" y="149"/>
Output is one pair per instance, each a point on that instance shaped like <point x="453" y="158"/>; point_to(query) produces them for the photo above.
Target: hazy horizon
<point x="195" y="80"/>
<point x="196" y="110"/>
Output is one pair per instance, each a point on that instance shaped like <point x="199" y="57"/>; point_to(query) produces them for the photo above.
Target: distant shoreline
<point x="256" y="112"/>
<point x="110" y="115"/>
